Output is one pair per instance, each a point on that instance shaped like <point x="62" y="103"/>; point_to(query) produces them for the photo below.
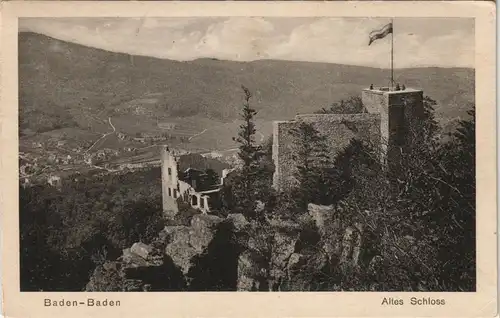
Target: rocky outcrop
<point x="202" y="230"/>
<point x="262" y="266"/>
<point x="342" y="244"/>
<point x="185" y="242"/>
<point x="232" y="253"/>
<point x="328" y="227"/>
<point x="122" y="274"/>
<point x="179" y="248"/>
<point x="141" y="250"/>
<point x="248" y="272"/>
<point x="163" y="264"/>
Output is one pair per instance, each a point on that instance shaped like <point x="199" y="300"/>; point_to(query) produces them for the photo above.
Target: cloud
<point x="240" y="39"/>
<point x="417" y="41"/>
<point x="346" y="42"/>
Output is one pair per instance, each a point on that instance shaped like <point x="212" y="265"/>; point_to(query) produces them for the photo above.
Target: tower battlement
<point x="388" y="116"/>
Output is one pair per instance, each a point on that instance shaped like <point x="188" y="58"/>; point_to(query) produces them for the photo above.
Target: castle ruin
<point x="187" y="181"/>
<point x="387" y="116"/>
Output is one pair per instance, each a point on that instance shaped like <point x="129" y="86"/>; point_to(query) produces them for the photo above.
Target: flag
<point x="379" y="34"/>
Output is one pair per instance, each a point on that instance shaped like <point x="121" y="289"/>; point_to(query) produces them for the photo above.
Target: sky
<point x="418" y="42"/>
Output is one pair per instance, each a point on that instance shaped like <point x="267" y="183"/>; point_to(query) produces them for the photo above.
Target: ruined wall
<point x="169" y="182"/>
<point x="282" y="153"/>
<point x="339" y="130"/>
<point x="174" y="189"/>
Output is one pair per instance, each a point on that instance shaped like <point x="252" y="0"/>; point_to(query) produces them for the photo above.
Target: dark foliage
<point x="65" y="233"/>
<point x="312" y="159"/>
<point x="352" y="105"/>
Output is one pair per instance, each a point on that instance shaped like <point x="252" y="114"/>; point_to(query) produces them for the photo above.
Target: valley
<point x="86" y="110"/>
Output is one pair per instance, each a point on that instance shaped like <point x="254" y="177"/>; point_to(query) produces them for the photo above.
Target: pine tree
<point x="249" y="152"/>
<point x="311" y="156"/>
<point x="244" y="191"/>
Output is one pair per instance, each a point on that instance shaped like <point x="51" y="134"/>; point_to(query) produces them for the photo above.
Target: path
<point x="103" y="136"/>
<point x="198" y="134"/>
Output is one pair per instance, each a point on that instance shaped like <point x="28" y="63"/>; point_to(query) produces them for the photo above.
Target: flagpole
<point x="392" y="55"/>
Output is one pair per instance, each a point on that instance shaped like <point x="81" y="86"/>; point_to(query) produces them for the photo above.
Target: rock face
<point x="107" y="278"/>
<point x="248" y="272"/>
<point x="202" y="230"/>
<point x="328" y="227"/>
<point x="179" y="248"/>
<point x="214" y="253"/>
<point x="121" y="275"/>
<point x="161" y="265"/>
<point x="184" y="242"/>
<point x="262" y="266"/>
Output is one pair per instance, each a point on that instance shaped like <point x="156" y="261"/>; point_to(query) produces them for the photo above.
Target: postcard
<point x="250" y="159"/>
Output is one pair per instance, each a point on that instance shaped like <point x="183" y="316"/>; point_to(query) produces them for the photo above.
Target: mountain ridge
<point x="63" y="79"/>
<point x="250" y="61"/>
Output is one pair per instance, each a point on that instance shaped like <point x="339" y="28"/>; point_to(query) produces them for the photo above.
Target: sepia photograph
<point x="247" y="154"/>
<point x="248" y="159"/>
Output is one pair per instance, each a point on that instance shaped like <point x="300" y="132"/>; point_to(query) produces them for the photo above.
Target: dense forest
<point x="67" y="232"/>
<point x="417" y="224"/>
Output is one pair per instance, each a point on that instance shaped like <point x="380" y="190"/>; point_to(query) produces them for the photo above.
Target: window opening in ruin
<point x="169" y="192"/>
<point x="175" y="194"/>
<point x="202" y="203"/>
<point x="194" y="200"/>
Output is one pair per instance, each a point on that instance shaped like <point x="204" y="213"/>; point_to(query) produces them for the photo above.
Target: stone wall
<point x="399" y="111"/>
<point x="339" y="130"/>
<point x="169" y="183"/>
<point x="173" y="188"/>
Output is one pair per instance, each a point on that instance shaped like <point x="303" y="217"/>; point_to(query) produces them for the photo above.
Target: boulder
<point x="141" y="249"/>
<point x="247" y="272"/>
<point x="106" y="278"/>
<point x="203" y="227"/>
<point x="184" y="242"/>
<point x="132" y="260"/>
<point x="179" y="248"/>
<point x="239" y="221"/>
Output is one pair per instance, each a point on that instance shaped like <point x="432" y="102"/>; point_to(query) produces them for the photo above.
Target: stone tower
<point x="169" y="182"/>
<point x="400" y="111"/>
<point x="388" y="117"/>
